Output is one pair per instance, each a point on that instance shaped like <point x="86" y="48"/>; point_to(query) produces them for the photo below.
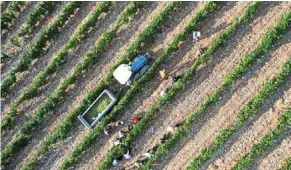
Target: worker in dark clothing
<point x="146" y="156"/>
<point x="108" y="128"/>
<point x="176" y="78"/>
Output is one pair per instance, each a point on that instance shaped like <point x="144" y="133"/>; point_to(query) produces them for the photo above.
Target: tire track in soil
<point x="28" y="106"/>
<point x="280" y="106"/>
<point x="243" y="141"/>
<point x="160" y="39"/>
<point x="91" y="157"/>
<point x="17" y="22"/>
<point x="181" y="60"/>
<point x="124" y="34"/>
<point x="222" y="115"/>
<point x="15" y="52"/>
<point x="276" y="159"/>
<point x="168" y="114"/>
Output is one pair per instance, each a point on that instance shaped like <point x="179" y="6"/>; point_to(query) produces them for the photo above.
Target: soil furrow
<point x="184" y="103"/>
<point x="58" y="42"/>
<point x="70" y="26"/>
<point x="14" y="52"/>
<point x="225" y="114"/>
<point x="73" y="57"/>
<point x="27" y="78"/>
<point x="18" y="21"/>
<point x="273" y="146"/>
<point x="176" y="19"/>
<point x="92" y="157"/>
<point x="275" y="160"/>
<point x="244" y="142"/>
<point x="27" y="108"/>
<point x="283" y="45"/>
<point x="126" y="33"/>
<point x="182" y="59"/>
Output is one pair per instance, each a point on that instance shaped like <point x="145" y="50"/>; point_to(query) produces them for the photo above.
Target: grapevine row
<point x="262" y="146"/>
<point x="32" y="19"/>
<point x="63" y="129"/>
<point x="25" y="131"/>
<point x="79" y="34"/>
<point x="219" y="42"/>
<point x="170" y="49"/>
<point x="11" y="13"/>
<point x="125" y="100"/>
<point x="36" y="48"/>
<point x="267" y="90"/>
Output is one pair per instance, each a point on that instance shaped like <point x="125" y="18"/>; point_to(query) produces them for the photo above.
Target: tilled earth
<point x="206" y="79"/>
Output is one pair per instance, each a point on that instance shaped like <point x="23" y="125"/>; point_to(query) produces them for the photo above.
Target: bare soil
<point x="277" y="105"/>
<point x="174" y="23"/>
<point x="223" y="115"/>
<point x="244" y="142"/>
<point x="93" y="157"/>
<point x="15" y="52"/>
<point x="207" y="78"/>
<point x="27" y="108"/>
<point x="123" y="36"/>
<point x="271" y="150"/>
<point x="18" y="87"/>
<point x="18" y="21"/>
<point x="276" y="159"/>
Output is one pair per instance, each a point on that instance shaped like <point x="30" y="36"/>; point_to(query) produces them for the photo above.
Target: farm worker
<point x="196" y="35"/>
<point x="136" y="119"/>
<point x="127" y="155"/>
<point x="116" y="142"/>
<point x="175" y="79"/>
<point x="115" y="163"/>
<point x="165" y="138"/>
<point x="163" y="92"/>
<point x="119" y="122"/>
<point x="163" y="74"/>
<point x="108" y="128"/>
<point x="121" y="134"/>
<point x="116" y="160"/>
<point x="171" y="129"/>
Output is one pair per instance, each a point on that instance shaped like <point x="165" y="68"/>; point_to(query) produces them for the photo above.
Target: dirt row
<point x="28" y="108"/>
<point x="244" y="142"/>
<point x="27" y="76"/>
<point x="223" y="115"/>
<point x="273" y="150"/>
<point x="175" y="23"/>
<point x="276" y="159"/>
<point x="124" y="35"/>
<point x="95" y="154"/>
<point x="17" y="22"/>
<point x="181" y="60"/>
<point x="15" y="52"/>
<point x="280" y="105"/>
<point x="79" y="52"/>
<point x="184" y="103"/>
